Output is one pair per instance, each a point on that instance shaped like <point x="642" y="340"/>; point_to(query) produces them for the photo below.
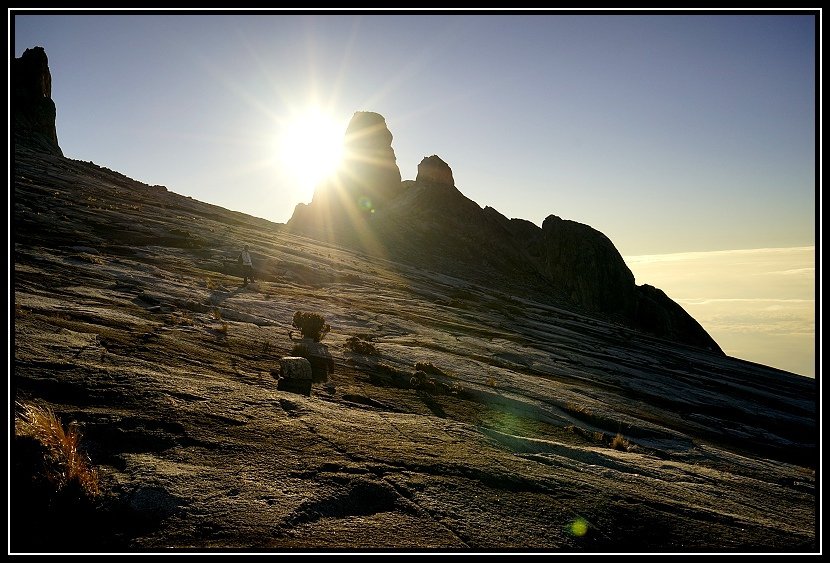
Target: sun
<point x="311" y="147"/>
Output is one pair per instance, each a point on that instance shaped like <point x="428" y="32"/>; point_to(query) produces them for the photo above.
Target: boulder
<point x="295" y="375"/>
<point x="318" y="356"/>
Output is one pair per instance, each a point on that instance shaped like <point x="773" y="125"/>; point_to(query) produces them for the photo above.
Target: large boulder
<point x="295" y="375"/>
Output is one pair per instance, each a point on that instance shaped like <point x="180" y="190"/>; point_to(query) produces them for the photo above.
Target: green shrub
<point x="311" y="325"/>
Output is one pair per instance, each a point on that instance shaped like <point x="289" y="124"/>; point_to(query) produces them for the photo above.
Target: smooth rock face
<point x="508" y="450"/>
<point x="587" y="266"/>
<point x="657" y="313"/>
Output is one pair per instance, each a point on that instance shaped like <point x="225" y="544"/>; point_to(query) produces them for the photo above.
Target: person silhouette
<point x="247" y="265"/>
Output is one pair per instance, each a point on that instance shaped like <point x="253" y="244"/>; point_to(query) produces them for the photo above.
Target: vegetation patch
<point x="64" y="465"/>
<point x="431" y="369"/>
<point x="620" y="443"/>
<point x="585" y="414"/>
<point x="360" y="346"/>
<point x="386" y="375"/>
<point x="617" y="442"/>
<point x="311" y="325"/>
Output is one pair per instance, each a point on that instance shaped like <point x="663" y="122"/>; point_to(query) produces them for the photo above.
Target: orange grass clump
<point x="620" y="443"/>
<point x="64" y="463"/>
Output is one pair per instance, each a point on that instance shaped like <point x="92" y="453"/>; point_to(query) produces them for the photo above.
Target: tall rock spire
<point x="33" y="111"/>
<point x="369" y="168"/>
<point x="366" y="180"/>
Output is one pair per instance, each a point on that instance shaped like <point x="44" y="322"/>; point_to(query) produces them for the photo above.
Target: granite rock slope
<point x="453" y="416"/>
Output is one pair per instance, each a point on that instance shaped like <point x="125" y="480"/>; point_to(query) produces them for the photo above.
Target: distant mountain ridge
<point x="429" y="222"/>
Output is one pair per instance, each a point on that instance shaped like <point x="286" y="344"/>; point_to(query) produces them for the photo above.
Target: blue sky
<point x="670" y="133"/>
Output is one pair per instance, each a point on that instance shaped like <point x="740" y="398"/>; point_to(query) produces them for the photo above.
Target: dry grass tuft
<point x="359" y="346"/>
<point x="64" y="463"/>
<point x="181" y="318"/>
<point x="620" y="443"/>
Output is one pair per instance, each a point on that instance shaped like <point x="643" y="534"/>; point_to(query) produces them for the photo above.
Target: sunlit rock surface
<point x="129" y="318"/>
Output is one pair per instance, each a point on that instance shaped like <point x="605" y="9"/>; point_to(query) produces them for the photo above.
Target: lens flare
<point x="578" y="527"/>
<point x="366" y="203"/>
<point x="310" y="146"/>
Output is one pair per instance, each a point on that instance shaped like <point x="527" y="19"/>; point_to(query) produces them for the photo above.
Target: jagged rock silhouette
<point x="431" y="223"/>
<point x="33" y="111"/>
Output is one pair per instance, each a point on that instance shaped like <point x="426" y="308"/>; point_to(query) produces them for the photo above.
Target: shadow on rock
<point x="317" y="354"/>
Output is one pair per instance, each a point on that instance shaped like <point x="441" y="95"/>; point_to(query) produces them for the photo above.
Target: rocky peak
<point x="369" y="163"/>
<point x="367" y="179"/>
<point x="587" y="266"/>
<point x="429" y="222"/>
<point x="33" y="110"/>
<point x="433" y="169"/>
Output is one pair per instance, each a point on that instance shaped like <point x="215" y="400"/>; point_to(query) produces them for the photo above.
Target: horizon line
<point x="691" y="254"/>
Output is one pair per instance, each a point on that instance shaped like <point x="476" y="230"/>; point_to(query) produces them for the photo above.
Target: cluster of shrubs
<point x="311" y="325"/>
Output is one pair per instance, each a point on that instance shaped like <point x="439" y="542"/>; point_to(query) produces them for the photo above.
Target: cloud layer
<point x="758" y="304"/>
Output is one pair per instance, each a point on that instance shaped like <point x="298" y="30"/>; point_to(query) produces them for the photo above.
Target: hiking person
<point x="247" y="265"/>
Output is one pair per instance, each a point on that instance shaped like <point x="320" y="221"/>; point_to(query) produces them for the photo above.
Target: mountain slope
<point x="130" y="320"/>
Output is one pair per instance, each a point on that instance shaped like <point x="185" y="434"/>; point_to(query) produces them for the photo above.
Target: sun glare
<point x="311" y="146"/>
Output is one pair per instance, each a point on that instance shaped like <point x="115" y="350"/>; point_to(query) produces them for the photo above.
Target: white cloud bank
<point x="758" y="305"/>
